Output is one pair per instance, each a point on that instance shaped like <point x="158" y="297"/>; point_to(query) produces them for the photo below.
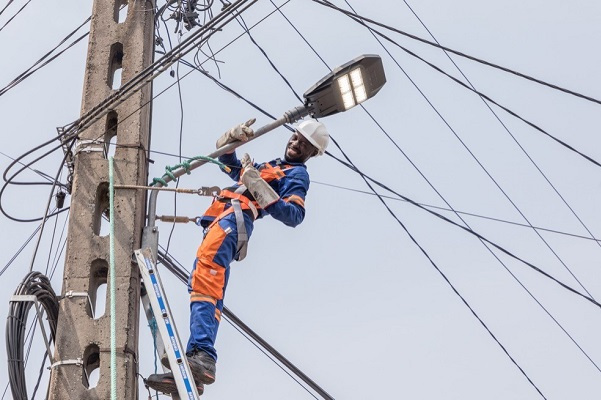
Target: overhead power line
<point x="238" y="95"/>
<point x="47" y="177"/>
<point x="65" y="137"/>
<point x="14" y="257"/>
<point x="472" y="154"/>
<point x="411" y="236"/>
<point x="15" y="15"/>
<point x="6" y="6"/>
<point x="478" y="60"/>
<point x="442" y="274"/>
<point x="505" y="127"/>
<point x="470" y="214"/>
<point x="450" y="207"/>
<point x="545" y="310"/>
<point x="264" y="112"/>
<point x="482" y="95"/>
<point x="155" y="69"/>
<point x="358" y="19"/>
<point x="44" y="60"/>
<point x="9" y="180"/>
<point x="179" y="271"/>
<point x="470" y="231"/>
<point x="72" y="130"/>
<point x="403" y="197"/>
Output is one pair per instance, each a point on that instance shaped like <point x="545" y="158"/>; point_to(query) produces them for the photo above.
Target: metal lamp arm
<point x="289" y="117"/>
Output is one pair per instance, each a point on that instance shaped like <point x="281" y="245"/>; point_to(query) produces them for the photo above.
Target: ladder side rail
<point x="166" y="328"/>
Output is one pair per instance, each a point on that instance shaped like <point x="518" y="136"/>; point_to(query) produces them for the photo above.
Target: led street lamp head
<point x="346" y="86"/>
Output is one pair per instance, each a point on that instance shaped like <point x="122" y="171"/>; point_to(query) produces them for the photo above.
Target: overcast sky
<point x="347" y="296"/>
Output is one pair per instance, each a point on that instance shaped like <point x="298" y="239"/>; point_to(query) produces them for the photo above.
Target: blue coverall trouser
<point x="208" y="281"/>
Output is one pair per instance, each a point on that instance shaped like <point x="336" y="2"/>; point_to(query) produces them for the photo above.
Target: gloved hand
<point x="240" y="132"/>
<point x="261" y="191"/>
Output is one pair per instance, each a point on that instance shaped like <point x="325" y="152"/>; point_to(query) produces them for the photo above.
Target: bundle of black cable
<point x="37" y="284"/>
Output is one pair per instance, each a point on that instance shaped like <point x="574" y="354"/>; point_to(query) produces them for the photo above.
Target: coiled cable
<point x="37" y="284"/>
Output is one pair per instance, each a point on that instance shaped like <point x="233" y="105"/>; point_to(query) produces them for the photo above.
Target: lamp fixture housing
<point x="346" y="86"/>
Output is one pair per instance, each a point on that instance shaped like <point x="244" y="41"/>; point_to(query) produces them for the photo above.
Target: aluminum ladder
<point x="157" y="311"/>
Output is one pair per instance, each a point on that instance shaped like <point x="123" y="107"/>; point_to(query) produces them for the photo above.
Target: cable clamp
<point x="88" y="145"/>
<point x="77" y="361"/>
<point x="70" y="294"/>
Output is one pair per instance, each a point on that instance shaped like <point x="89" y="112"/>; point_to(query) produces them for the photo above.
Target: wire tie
<point x="169" y="173"/>
<point x="159" y="180"/>
<point x="186" y="166"/>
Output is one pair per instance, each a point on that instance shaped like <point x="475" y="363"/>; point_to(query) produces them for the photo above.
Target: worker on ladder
<point x="277" y="188"/>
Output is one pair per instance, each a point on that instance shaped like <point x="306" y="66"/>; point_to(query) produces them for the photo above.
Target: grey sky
<point x="347" y="296"/>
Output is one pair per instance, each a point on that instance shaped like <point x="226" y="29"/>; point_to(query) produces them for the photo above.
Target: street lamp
<point x="343" y="88"/>
<point x="346" y="86"/>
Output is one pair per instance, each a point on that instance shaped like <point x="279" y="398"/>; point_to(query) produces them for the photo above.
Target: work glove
<point x="240" y="132"/>
<point x="261" y="191"/>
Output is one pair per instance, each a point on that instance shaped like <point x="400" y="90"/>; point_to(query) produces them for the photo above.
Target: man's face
<point x="299" y="149"/>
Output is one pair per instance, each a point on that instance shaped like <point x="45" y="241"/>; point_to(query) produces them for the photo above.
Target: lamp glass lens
<point x="360" y="94"/>
<point x="344" y="84"/>
<point x="357" y="77"/>
<point x="348" y="100"/>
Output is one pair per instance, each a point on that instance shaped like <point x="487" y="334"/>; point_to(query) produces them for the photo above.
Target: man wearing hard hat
<point x="277" y="188"/>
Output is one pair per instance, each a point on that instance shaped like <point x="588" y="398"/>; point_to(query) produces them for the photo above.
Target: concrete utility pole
<point x="82" y="342"/>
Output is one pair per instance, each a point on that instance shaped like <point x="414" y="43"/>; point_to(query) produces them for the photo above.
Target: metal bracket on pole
<point x="33" y="299"/>
<point x="166" y="327"/>
<point x="77" y="361"/>
<point x="88" y="145"/>
<point x="150" y="239"/>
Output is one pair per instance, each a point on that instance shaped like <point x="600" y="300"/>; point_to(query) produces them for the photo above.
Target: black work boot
<point x="202" y="367"/>
<point x="165" y="383"/>
<point x="201" y="364"/>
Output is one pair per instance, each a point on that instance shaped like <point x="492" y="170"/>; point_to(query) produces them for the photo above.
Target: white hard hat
<point x="316" y="133"/>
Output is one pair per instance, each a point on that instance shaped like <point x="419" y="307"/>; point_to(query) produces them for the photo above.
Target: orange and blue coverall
<point x="220" y="246"/>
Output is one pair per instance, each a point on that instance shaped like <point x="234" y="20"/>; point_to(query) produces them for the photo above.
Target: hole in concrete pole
<point x="116" y="66"/>
<point x="98" y="287"/>
<point x="100" y="307"/>
<point x="91" y="367"/>
<point x="117" y="79"/>
<point x="110" y="137"/>
<point x="93" y="378"/>
<point x="101" y="212"/>
<point x="111" y="147"/>
<point x="121" y="11"/>
<point x="105" y="223"/>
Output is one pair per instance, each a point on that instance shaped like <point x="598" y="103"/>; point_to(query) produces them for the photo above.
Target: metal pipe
<point x="289" y="117"/>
